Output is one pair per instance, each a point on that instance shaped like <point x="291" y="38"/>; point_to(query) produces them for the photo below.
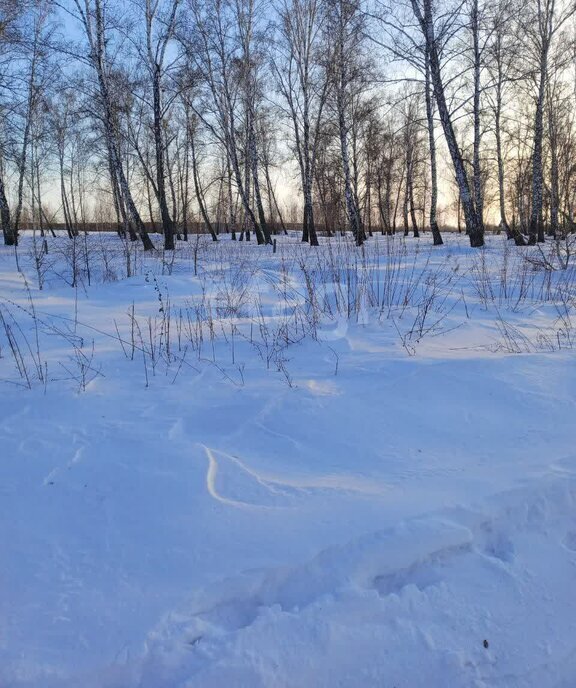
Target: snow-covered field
<point x="313" y="468"/>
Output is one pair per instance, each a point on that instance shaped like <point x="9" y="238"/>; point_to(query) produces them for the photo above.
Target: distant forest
<point x="250" y="116"/>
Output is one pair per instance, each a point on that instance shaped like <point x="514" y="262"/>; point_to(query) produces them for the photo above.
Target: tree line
<point x="161" y="113"/>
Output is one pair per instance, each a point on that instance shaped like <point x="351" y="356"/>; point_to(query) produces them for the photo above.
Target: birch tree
<point x="91" y="14"/>
<point x="477" y="52"/>
<point x="160" y="21"/>
<point x="540" y="23"/>
<point x="501" y="63"/>
<point x="410" y="49"/>
<point x="219" y="58"/>
<point x="344" y="27"/>
<point x="11" y="13"/>
<point x="302" y="82"/>
<point x="422" y="10"/>
<point x="429" y="98"/>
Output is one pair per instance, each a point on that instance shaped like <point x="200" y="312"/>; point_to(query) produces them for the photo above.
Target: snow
<point x="310" y="468"/>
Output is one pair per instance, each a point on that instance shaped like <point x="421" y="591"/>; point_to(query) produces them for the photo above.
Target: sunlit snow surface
<point x="313" y="468"/>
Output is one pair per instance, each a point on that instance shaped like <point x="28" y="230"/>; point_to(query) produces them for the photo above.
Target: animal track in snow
<point x="414" y="553"/>
<point x="232" y="481"/>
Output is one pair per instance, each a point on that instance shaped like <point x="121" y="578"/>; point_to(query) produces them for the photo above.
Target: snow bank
<point x="240" y="479"/>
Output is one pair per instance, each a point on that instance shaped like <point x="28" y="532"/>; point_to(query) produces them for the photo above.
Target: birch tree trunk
<point x="92" y="17"/>
<point x="24" y="150"/>
<point x="536" y="229"/>
<point x="10" y="238"/>
<point x="476" y="163"/>
<point x="167" y="223"/>
<point x="155" y="52"/>
<point x="299" y="80"/>
<point x="554" y="167"/>
<point x="253" y="162"/>
<point x="436" y="236"/>
<point x="197" y="187"/>
<point x="342" y="83"/>
<point x="473" y="225"/>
